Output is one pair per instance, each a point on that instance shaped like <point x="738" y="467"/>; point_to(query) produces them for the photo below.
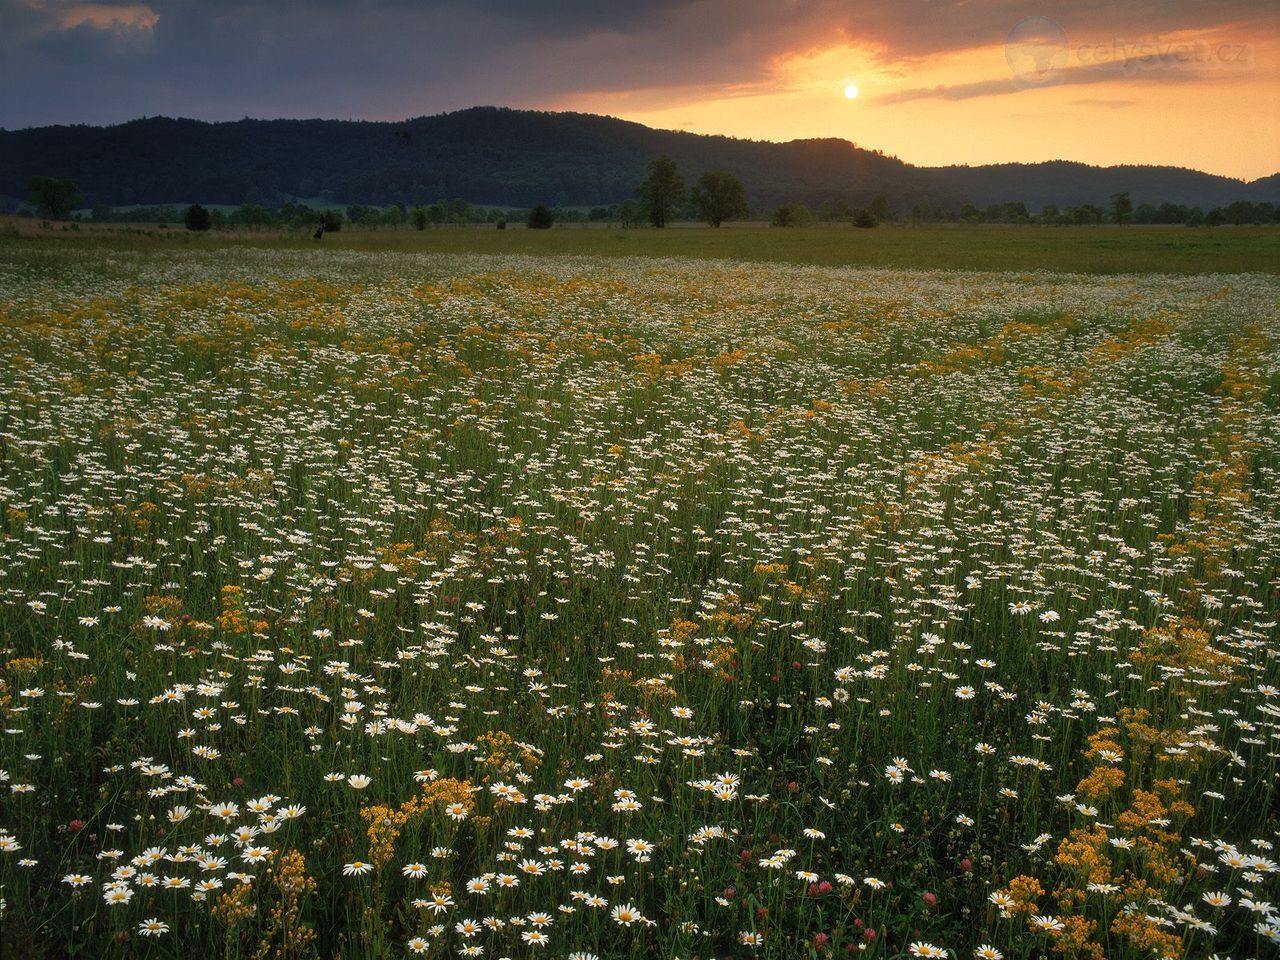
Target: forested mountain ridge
<point x="490" y="155"/>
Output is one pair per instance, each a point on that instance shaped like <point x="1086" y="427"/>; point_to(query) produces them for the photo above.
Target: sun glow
<point x="851" y="92"/>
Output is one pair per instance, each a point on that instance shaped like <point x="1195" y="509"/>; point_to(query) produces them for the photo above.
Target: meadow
<point x="1104" y="249"/>
<point x="386" y="603"/>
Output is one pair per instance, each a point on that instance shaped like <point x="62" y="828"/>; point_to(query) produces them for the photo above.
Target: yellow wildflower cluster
<point x="1023" y="891"/>
<point x="447" y="790"/>
<point x="233" y="907"/>
<point x="287" y="937"/>
<point x="385" y="824"/>
<point x="24" y="664"/>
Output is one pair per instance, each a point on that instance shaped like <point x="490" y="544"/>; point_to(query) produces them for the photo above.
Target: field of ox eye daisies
<point x="375" y="605"/>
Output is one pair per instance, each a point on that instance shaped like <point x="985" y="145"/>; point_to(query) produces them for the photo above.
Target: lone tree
<point x="197" y="218"/>
<point x="719" y="196"/>
<point x="661" y="191"/>
<point x="1122" y="207"/>
<point x="540" y="218"/>
<point x="54" y="197"/>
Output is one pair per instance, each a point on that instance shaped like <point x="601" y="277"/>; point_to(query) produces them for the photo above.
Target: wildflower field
<point x="385" y="605"/>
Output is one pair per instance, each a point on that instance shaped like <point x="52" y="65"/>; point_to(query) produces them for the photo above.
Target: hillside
<point x="519" y="158"/>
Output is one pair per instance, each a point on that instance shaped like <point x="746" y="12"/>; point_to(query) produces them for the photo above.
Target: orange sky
<point x="1207" y="99"/>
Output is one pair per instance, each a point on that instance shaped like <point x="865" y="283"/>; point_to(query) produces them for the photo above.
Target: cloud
<point x="379" y="59"/>
<point x="131" y="16"/>
<point x="1119" y="72"/>
<point x="1104" y="104"/>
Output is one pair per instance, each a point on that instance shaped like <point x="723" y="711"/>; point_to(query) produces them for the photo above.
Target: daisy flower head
<point x="153" y="927"/>
<point x="921" y="949"/>
<point x="117" y="896"/>
<point x="457" y="812"/>
<point x="625" y="914"/>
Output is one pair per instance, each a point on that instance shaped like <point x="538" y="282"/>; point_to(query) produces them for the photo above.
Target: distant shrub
<point x="865" y="219"/>
<point x="792" y="215"/>
<point x="540" y="218"/>
<point x="502" y="224"/>
<point x="197" y="218"/>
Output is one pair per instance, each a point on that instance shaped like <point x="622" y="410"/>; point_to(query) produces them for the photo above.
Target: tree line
<point x="661" y="198"/>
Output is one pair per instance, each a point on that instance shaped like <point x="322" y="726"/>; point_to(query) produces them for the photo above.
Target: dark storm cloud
<point x="110" y="61"/>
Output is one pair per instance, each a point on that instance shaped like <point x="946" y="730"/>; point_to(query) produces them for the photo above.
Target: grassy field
<point x="1104" y="249"/>
<point x="382" y="604"/>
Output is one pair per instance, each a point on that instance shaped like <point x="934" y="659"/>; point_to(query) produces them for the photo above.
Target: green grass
<point x="1100" y="250"/>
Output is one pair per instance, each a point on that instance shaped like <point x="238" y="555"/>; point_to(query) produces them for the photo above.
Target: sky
<point x="1192" y="83"/>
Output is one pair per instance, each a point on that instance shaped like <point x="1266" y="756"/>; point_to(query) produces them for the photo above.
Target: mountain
<point x="491" y="155"/>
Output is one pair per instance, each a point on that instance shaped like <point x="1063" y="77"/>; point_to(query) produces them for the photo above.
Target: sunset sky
<point x="1187" y="82"/>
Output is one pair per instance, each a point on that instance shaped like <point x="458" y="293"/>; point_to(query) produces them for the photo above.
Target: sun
<point x="851" y="91"/>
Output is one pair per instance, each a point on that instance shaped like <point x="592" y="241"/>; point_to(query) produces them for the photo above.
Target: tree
<point x="54" y="197"/>
<point x="393" y="216"/>
<point x="661" y="191"/>
<point x="719" y="196"/>
<point x="1014" y="211"/>
<point x="792" y="215"/>
<point x="197" y="218"/>
<point x="630" y="214"/>
<point x="420" y="218"/>
<point x="880" y="208"/>
<point x="1121" y="207"/>
<point x="540" y="218"/>
<point x="865" y="219"/>
<point x="253" y="215"/>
